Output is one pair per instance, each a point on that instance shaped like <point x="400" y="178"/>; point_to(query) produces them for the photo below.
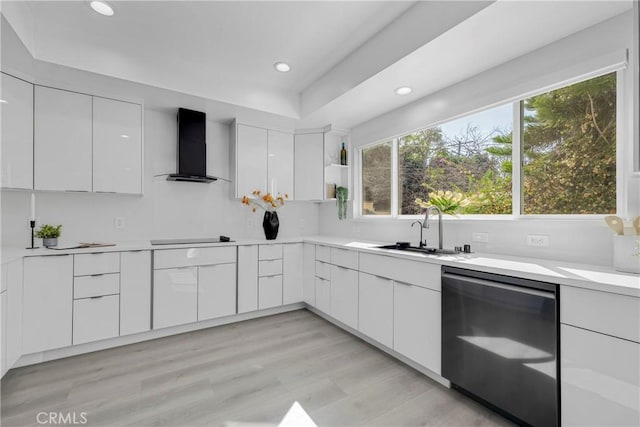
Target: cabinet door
<point x="323" y="295"/>
<point x="308" y="165"/>
<point x="47" y="303"/>
<point x="344" y="295"/>
<point x="117" y="146"/>
<point x="600" y="378"/>
<point x="135" y="292"/>
<point x="62" y="124"/>
<point x="292" y="273"/>
<point x="3" y="333"/>
<point x="95" y="319"/>
<point x="14" y="312"/>
<point x="270" y="291"/>
<point x="280" y="163"/>
<point x="17" y="133"/>
<point x="175" y="296"/>
<point x="216" y="291"/>
<point x="251" y="160"/>
<point x="416" y="324"/>
<point x="375" y="308"/>
<point x="247" y="278"/>
<point x="309" y="278"/>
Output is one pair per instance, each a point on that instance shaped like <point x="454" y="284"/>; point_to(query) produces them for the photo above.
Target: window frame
<point x="622" y="169"/>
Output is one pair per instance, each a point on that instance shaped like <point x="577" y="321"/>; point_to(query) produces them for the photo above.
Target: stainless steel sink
<point x="424" y="250"/>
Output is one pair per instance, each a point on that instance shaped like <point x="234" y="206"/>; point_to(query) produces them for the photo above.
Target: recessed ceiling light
<point x="283" y="67"/>
<point x="404" y="90"/>
<point x="3" y="101"/>
<point x="102" y="8"/>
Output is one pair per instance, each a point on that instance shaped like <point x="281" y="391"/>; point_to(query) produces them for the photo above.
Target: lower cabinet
<point x="3" y="332"/>
<point x="216" y="291"/>
<point x="600" y="379"/>
<point x="47" y="303"/>
<point x="247" y="278"/>
<point x="344" y="295"/>
<point x="323" y="295"/>
<point x="308" y="275"/>
<point x="416" y="324"/>
<point x="269" y="291"/>
<point x="135" y="292"/>
<point x="292" y="273"/>
<point x="96" y="318"/>
<point x="375" y="308"/>
<point x="175" y="296"/>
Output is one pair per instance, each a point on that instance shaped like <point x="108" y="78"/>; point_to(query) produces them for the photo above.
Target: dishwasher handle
<point x="514" y="288"/>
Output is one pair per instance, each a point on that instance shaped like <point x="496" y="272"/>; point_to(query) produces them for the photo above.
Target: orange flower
<point x="245" y="200"/>
<point x="286" y="196"/>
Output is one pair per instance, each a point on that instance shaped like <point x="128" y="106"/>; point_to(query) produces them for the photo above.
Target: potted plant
<point x="49" y="234"/>
<point x="342" y="194"/>
<point x="269" y="204"/>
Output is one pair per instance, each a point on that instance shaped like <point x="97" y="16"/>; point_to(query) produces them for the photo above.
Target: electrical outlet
<point x="480" y="237"/>
<point x="539" y="240"/>
<point x="301" y="223"/>
<point x="118" y="222"/>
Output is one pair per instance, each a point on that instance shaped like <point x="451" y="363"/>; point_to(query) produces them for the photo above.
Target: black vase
<point x="271" y="224"/>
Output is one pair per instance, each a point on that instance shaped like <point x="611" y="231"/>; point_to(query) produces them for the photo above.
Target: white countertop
<point x="594" y="277"/>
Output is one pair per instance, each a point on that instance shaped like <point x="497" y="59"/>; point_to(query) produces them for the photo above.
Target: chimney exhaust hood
<point x="192" y="148"/>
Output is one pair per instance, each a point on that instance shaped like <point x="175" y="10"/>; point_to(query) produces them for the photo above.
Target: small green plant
<point x="47" y="231"/>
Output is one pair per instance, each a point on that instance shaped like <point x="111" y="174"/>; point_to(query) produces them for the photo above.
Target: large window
<point x="565" y="159"/>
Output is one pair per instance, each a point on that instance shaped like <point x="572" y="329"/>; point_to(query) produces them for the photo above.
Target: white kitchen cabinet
<point x="47" y="303"/>
<point x="292" y="275"/>
<point x="251" y="154"/>
<point x="269" y="291"/>
<point x="375" y="308"/>
<point x="417" y="324"/>
<point x="247" y="278"/>
<point x="309" y="166"/>
<point x="308" y="273"/>
<point x="63" y="140"/>
<point x="117" y="146"/>
<point x="216" y="291"/>
<point x="3" y="333"/>
<point x="135" y="292"/>
<point x="344" y="295"/>
<point x="17" y="133"/>
<point x="323" y="295"/>
<point x="600" y="379"/>
<point x="175" y="296"/>
<point x="280" y="163"/>
<point x="14" y="311"/>
<point x="95" y="318"/>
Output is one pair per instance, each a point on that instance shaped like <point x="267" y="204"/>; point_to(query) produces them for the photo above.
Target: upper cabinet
<point x="263" y="160"/>
<point x="309" y="170"/>
<point x="63" y="133"/>
<point x="17" y="133"/>
<point x="117" y="146"/>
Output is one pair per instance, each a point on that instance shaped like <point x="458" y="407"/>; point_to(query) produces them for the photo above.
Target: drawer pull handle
<point x="98" y="297"/>
<point x="97" y="275"/>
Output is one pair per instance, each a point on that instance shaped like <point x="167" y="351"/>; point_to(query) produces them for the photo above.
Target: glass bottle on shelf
<point x="343" y="155"/>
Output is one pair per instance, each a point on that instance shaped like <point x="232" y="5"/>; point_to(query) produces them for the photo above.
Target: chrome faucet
<point x="423" y="243"/>
<point x="425" y="223"/>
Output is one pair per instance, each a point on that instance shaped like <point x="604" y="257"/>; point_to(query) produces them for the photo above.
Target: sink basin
<point x="403" y="246"/>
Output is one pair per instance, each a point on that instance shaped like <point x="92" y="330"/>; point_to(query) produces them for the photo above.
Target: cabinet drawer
<point x="96" y="263"/>
<point x="188" y="257"/>
<point x="269" y="252"/>
<point x="323" y="270"/>
<point x="323" y="253"/>
<point x="344" y="258"/>
<point x="401" y="270"/>
<point x="617" y="315"/>
<point x="270" y="267"/>
<point x="95" y="286"/>
<point x="95" y="319"/>
<point x="269" y="292"/>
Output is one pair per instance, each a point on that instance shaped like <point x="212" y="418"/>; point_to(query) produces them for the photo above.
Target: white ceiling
<point x="346" y="57"/>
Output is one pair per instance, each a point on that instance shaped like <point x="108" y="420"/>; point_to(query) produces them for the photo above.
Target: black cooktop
<point x="194" y="240"/>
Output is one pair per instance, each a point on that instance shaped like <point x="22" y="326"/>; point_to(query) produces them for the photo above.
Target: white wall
<point x="587" y="241"/>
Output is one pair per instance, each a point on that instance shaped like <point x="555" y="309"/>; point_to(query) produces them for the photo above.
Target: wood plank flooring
<point x="243" y="374"/>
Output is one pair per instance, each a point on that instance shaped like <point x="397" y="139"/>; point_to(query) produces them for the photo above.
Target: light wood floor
<point x="243" y="374"/>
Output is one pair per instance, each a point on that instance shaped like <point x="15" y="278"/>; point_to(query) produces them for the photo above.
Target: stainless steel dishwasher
<point x="500" y="343"/>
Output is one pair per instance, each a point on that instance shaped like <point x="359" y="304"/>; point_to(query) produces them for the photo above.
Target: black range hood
<point x="192" y="148"/>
